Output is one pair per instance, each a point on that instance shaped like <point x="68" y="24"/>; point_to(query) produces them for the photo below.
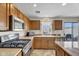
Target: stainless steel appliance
<point x="15" y="24"/>
<point x="25" y="44"/>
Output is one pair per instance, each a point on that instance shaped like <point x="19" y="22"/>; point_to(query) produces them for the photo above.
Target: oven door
<point x="28" y="52"/>
<point x="27" y="49"/>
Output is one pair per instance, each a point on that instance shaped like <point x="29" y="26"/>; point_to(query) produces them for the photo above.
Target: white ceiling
<point x="49" y="9"/>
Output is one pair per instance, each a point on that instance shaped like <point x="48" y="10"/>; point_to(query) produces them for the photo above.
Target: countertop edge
<point x="18" y="52"/>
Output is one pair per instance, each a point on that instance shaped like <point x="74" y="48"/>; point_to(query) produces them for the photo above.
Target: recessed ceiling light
<point x="34" y="5"/>
<point x="64" y="4"/>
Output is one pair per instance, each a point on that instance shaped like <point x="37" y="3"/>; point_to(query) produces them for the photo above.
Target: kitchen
<point x="28" y="27"/>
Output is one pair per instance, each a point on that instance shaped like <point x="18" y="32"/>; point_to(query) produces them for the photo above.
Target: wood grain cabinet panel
<point x="7" y="9"/>
<point x="51" y="43"/>
<point x="57" y="24"/>
<point x="44" y="42"/>
<point x="3" y="16"/>
<point x="35" y="25"/>
<point x="26" y="26"/>
<point x="59" y="51"/>
<point x="8" y="14"/>
<point x="37" y="42"/>
<point x="20" y="15"/>
<point x="13" y="10"/>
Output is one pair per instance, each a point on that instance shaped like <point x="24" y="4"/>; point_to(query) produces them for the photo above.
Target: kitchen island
<point x="42" y="41"/>
<point x="10" y="52"/>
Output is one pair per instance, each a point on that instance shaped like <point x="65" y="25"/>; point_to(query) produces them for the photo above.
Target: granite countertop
<point x="31" y="37"/>
<point x="47" y="36"/>
<point x="9" y="51"/>
<point x="67" y="47"/>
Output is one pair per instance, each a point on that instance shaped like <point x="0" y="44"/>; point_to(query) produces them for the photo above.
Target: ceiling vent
<point x="37" y="11"/>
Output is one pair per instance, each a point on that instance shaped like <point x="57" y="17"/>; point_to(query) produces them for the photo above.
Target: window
<point x="71" y="28"/>
<point x="46" y="27"/>
<point x="68" y="28"/>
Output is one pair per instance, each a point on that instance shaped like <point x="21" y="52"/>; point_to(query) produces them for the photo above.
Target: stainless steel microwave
<point x="16" y="24"/>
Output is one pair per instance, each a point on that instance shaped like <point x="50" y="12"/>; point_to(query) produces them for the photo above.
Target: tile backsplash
<point x="10" y="34"/>
<point x="21" y="33"/>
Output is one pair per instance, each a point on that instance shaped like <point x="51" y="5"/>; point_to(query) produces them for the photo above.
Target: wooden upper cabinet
<point x="20" y="15"/>
<point x="35" y="25"/>
<point x="13" y="10"/>
<point x="7" y="9"/>
<point x="3" y="16"/>
<point x="57" y="25"/>
<point x="26" y="23"/>
<point x="8" y="14"/>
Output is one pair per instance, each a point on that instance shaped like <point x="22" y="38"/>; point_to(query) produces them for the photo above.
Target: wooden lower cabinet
<point x="61" y="52"/>
<point x="51" y="43"/>
<point x="44" y="42"/>
<point x="37" y="42"/>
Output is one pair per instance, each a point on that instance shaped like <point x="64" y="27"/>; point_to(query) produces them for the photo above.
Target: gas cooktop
<point x="17" y="43"/>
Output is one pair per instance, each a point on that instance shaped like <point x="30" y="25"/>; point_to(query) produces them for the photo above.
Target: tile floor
<point x="39" y="52"/>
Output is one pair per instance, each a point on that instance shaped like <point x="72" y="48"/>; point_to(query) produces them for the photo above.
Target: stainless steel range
<point x="25" y="44"/>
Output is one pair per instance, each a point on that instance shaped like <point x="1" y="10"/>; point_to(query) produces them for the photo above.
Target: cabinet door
<point x="44" y="43"/>
<point x="51" y="43"/>
<point x="59" y="51"/>
<point x="8" y="14"/>
<point x="13" y="10"/>
<point x="20" y="15"/>
<point x="37" y="42"/>
<point x="26" y="23"/>
<point x="58" y="24"/>
<point x="3" y="21"/>
<point x="35" y="25"/>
